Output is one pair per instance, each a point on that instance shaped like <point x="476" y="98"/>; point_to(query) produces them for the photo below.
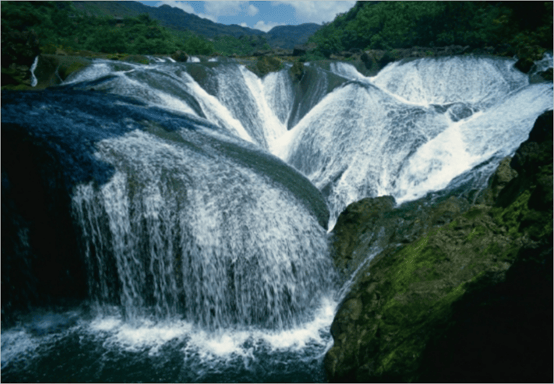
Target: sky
<point x="262" y="15"/>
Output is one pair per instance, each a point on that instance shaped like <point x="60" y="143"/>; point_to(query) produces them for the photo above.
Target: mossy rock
<point x="68" y="68"/>
<point x="267" y="64"/>
<point x="16" y="78"/>
<point x="297" y="71"/>
<point x="527" y="55"/>
<point x="54" y="69"/>
<point x="180" y="56"/>
<point x="140" y="59"/>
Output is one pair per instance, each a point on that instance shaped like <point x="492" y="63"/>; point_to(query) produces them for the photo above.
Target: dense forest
<point x="397" y="24"/>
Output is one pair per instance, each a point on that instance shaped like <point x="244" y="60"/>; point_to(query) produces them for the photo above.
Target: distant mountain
<point x="287" y="36"/>
<point x="278" y="37"/>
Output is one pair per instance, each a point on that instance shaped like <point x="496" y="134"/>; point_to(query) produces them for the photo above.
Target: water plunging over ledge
<point x="199" y="197"/>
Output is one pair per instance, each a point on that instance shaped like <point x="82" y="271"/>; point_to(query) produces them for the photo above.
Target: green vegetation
<point x="389" y="25"/>
<point x="58" y="25"/>
<point x="242" y="46"/>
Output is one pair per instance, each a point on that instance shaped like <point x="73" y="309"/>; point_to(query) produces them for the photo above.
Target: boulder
<point x="180" y="56"/>
<point x="268" y="64"/>
<point x="527" y="55"/>
<point x="297" y="71"/>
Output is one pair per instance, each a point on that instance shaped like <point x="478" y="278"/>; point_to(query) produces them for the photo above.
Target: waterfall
<point x="414" y="128"/>
<point x="204" y="238"/>
<point x="200" y="196"/>
<point x="34" y="80"/>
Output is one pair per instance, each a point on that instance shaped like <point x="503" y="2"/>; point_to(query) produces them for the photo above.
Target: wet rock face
<point x="467" y="301"/>
<point x="375" y="225"/>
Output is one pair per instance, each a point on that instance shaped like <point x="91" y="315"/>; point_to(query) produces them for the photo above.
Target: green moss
<point x="66" y="70"/>
<point x="140" y="59"/>
<point x="511" y="217"/>
<point x="268" y="64"/>
<point x="297" y="71"/>
<point x="476" y="232"/>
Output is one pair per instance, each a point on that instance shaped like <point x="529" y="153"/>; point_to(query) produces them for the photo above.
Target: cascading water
<point x="34" y="80"/>
<point x="206" y="239"/>
<point x="206" y="256"/>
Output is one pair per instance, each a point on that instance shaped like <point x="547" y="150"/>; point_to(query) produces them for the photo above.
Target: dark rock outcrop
<point x="300" y="50"/>
<point x="527" y="55"/>
<point x="180" y="56"/>
<point x="297" y="71"/>
<point x="467" y="301"/>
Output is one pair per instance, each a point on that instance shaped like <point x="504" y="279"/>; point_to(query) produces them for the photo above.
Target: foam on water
<point x="149" y="335"/>
<point x="17" y="344"/>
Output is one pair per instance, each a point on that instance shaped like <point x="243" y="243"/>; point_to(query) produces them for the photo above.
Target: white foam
<point x="143" y="334"/>
<point x="17" y="344"/>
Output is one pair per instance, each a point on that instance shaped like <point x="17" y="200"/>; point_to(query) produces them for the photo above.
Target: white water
<point x="185" y="244"/>
<point x="220" y="245"/>
<point x="410" y="130"/>
<point x="34" y="80"/>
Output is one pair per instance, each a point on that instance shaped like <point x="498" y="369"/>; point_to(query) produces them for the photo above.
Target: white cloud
<point x="266" y="27"/>
<point x="177" y="4"/>
<point x="214" y="9"/>
<point x="186" y="7"/>
<point x="243" y="24"/>
<point x="317" y="11"/>
<point x="252" y="10"/>
<point x="221" y="8"/>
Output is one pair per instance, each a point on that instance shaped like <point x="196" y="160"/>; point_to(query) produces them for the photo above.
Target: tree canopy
<point x="398" y="24"/>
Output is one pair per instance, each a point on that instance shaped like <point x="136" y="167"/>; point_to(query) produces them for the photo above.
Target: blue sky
<point x="262" y="15"/>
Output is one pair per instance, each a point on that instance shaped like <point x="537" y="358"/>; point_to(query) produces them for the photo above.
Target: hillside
<point x="287" y="36"/>
<point x="179" y="20"/>
<point x="394" y="25"/>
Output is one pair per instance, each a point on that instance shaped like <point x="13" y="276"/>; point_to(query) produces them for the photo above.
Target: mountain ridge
<point x="283" y="36"/>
